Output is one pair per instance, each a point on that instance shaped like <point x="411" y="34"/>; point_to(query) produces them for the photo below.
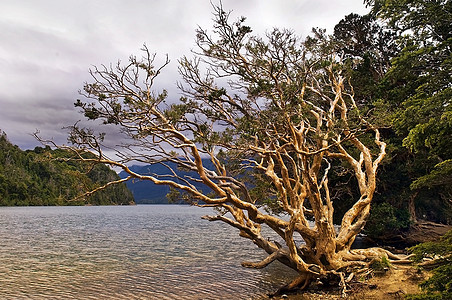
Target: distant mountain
<point x="31" y="177"/>
<point x="146" y="192"/>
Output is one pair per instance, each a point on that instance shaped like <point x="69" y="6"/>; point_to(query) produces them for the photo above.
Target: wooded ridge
<point x="42" y="177"/>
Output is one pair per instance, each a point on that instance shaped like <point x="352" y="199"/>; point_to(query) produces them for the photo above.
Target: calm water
<point x="127" y="252"/>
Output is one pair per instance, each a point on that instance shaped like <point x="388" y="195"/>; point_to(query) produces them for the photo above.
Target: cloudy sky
<point x="47" y="47"/>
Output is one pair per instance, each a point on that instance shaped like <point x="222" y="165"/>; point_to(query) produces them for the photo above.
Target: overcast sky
<point x="47" y="47"/>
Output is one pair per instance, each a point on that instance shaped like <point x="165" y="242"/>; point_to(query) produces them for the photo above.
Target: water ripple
<point x="138" y="252"/>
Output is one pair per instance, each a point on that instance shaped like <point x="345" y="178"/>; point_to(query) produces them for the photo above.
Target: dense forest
<point x="39" y="177"/>
<point x="400" y="65"/>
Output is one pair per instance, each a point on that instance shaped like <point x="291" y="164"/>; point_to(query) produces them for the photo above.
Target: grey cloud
<point x="47" y="47"/>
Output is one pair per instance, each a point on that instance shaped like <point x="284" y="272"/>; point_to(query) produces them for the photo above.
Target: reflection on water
<point x="133" y="252"/>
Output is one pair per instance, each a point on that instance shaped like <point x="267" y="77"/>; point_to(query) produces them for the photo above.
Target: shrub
<point x="439" y="286"/>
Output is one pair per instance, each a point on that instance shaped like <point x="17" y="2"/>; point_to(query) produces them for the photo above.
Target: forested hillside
<point x="32" y="177"/>
<point x="400" y="64"/>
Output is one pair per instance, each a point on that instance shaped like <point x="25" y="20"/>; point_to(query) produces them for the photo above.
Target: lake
<point x="127" y="252"/>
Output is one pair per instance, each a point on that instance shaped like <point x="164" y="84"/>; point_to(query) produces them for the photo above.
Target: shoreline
<point x="399" y="281"/>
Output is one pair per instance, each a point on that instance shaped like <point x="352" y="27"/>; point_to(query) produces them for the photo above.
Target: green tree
<point x="368" y="48"/>
<point x="417" y="87"/>
<point x="436" y="256"/>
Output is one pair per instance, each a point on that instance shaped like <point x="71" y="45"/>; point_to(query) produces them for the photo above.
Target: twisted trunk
<point x="285" y="117"/>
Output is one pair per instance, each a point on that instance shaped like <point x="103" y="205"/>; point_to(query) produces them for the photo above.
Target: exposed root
<point x="401" y="262"/>
<point x="378" y="253"/>
<point x="298" y="284"/>
<point x="350" y="277"/>
<point x="342" y="282"/>
<point x="343" y="285"/>
<point x="262" y="264"/>
<point x="430" y="264"/>
<point x="348" y="265"/>
<point x="366" y="272"/>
